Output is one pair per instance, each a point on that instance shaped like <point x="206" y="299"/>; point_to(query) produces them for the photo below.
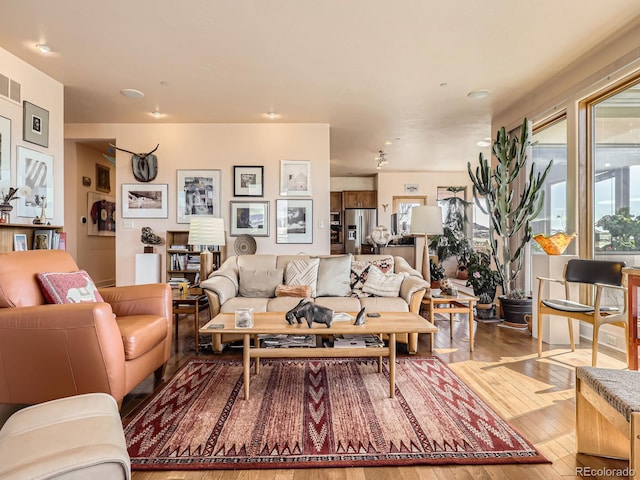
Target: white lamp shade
<point x="426" y="219"/>
<point x="206" y="230"/>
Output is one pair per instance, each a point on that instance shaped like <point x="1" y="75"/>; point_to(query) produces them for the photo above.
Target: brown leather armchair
<point x="50" y="351"/>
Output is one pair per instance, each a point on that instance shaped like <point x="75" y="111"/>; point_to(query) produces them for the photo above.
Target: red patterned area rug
<point x="319" y="413"/>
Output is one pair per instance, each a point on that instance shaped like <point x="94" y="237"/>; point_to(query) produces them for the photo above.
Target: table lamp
<point x="427" y="220"/>
<point x="205" y="230"/>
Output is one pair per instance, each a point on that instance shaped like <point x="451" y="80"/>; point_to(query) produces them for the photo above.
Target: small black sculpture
<point x="310" y="312"/>
<point x="360" y="318"/>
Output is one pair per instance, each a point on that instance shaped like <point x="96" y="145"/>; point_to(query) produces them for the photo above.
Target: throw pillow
<point x="385" y="265"/>
<point x="359" y="271"/>
<point x="259" y="283"/>
<point x="383" y="284"/>
<point x="333" y="276"/>
<point x="303" y="272"/>
<point x="69" y="287"/>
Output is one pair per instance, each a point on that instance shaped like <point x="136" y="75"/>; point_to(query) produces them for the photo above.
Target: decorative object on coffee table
<point x="310" y="312"/>
<point x="360" y="318"/>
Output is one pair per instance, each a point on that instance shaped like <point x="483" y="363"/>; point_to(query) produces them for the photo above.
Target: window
<point x="615" y="154"/>
<point x="402" y="206"/>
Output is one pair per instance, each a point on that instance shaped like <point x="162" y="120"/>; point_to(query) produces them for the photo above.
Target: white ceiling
<point x="372" y="69"/>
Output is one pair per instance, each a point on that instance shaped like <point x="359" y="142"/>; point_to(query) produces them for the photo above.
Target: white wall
<point x="47" y="93"/>
<point x="216" y="146"/>
<point x="340" y="184"/>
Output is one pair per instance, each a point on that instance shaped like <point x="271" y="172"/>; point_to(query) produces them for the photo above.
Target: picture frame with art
<point x="248" y="181"/>
<point x="294" y="221"/>
<point x="35" y="172"/>
<point x="35" y="124"/>
<point x="250" y="218"/>
<point x="145" y="200"/>
<point x="295" y="178"/>
<point x="5" y="154"/>
<point x="20" y="242"/>
<point x="103" y="178"/>
<point x="199" y="193"/>
<point x="101" y="214"/>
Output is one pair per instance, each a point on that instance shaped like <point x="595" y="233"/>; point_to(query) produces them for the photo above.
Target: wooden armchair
<point x="599" y="274"/>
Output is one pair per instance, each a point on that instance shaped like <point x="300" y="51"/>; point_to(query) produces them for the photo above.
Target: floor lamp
<point x="205" y="230"/>
<point x="427" y="220"/>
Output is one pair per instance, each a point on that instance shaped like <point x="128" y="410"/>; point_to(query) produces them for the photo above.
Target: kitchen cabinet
<point x="335" y="202"/>
<point x="359" y="199"/>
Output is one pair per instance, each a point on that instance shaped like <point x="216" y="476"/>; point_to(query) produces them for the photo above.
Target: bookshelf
<point x="183" y="260"/>
<point x="7" y="230"/>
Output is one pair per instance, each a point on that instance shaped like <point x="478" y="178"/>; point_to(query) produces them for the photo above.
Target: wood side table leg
<point x="392" y="365"/>
<point x="450" y="324"/>
<point x="471" y="326"/>
<point x="256" y="343"/>
<point x="246" y="363"/>
<point x="196" y="327"/>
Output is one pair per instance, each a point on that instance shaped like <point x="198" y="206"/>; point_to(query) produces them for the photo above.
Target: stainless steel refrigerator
<point x="358" y="224"/>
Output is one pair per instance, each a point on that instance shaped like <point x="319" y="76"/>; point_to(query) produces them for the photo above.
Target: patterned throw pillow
<point x="360" y="270"/>
<point x="303" y="272"/>
<point x="383" y="284"/>
<point x="69" y="287"/>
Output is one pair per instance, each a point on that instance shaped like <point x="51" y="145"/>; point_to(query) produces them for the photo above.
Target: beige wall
<point x="47" y="93"/>
<point x="216" y="146"/>
<point x="340" y="184"/>
<point x="95" y="254"/>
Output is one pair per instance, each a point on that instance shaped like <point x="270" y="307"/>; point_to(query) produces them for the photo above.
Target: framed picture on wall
<point x="145" y="200"/>
<point x="101" y="214"/>
<point x="295" y="178"/>
<point x="294" y="221"/>
<point x="103" y="178"/>
<point x="251" y="218"/>
<point x="248" y="181"/>
<point x="5" y="154"/>
<point x="198" y="193"/>
<point x="36" y="124"/>
<point x="35" y="173"/>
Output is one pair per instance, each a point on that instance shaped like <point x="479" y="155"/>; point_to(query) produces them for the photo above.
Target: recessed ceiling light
<point x="43" y="47"/>
<point x="131" y="93"/>
<point x="157" y="114"/>
<point x="477" y="94"/>
<point x="272" y="115"/>
<point x="388" y="142"/>
<point x="483" y="143"/>
<point x="164" y="83"/>
<point x="443" y="84"/>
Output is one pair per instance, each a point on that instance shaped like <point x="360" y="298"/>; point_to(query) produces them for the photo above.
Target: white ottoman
<point x="73" y="438"/>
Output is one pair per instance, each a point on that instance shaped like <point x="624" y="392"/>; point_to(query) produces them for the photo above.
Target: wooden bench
<point x="608" y="414"/>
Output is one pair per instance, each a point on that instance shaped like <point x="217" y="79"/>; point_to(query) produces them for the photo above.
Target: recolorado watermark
<point x="605" y="472"/>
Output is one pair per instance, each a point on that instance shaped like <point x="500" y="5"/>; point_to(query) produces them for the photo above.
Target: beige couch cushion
<point x="259" y="283"/>
<point x="282" y="304"/>
<point x="333" y="276"/>
<point x="339" y="304"/>
<point x="384" y="304"/>
<point x="231" y="305"/>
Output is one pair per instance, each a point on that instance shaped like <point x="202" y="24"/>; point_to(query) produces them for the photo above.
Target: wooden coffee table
<point x="436" y="302"/>
<point x="274" y="323"/>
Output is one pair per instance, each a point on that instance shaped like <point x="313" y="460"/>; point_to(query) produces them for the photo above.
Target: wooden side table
<point x="193" y="302"/>
<point x="633" y="283"/>
<point x="436" y="302"/>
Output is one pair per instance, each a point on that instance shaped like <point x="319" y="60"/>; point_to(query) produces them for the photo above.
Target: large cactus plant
<point x="493" y="190"/>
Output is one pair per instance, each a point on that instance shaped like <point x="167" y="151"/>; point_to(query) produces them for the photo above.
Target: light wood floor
<point x="535" y="395"/>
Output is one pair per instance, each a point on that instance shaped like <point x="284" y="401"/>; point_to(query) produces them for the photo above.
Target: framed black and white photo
<point x="35" y="174"/>
<point x="5" y="154"/>
<point x="295" y="178"/>
<point x="198" y="193"/>
<point x="103" y="178"/>
<point x="250" y="218"/>
<point x="147" y="200"/>
<point x="36" y="124"/>
<point x="294" y="221"/>
<point x="20" y="242"/>
<point x="101" y="218"/>
<point x="248" y="181"/>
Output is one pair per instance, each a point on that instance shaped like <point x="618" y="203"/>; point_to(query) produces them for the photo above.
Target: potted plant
<point x="437" y="273"/>
<point x="454" y="241"/>
<point x="494" y="190"/>
<point x="485" y="309"/>
<point x="482" y="278"/>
